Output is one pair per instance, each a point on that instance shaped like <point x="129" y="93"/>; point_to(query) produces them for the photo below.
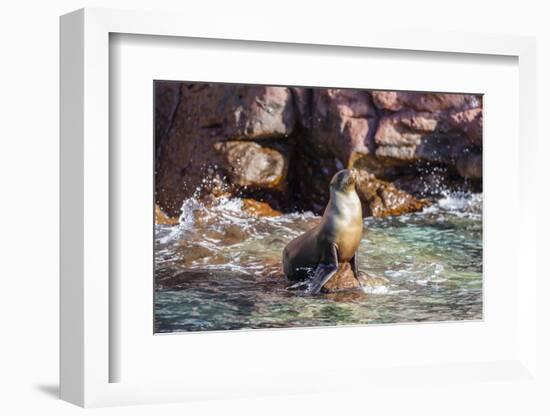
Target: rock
<point x="411" y="136"/>
<point x="434" y="183"/>
<point x="282" y="145"/>
<point x="385" y="168"/>
<point x="380" y="198"/>
<point x="259" y="209"/>
<point x="310" y="183"/>
<point x="265" y="112"/>
<point x="235" y="112"/>
<point x="406" y="128"/>
<point x="342" y="280"/>
<point x="162" y="218"/>
<point x="303" y="102"/>
<point x="428" y="184"/>
<point x="430" y="128"/>
<point x="167" y="96"/>
<point x="191" y="155"/>
<point x="441" y="148"/>
<point x="444" y="129"/>
<point x="442" y="137"/>
<point x="470" y="166"/>
<point x="248" y="164"/>
<point x="470" y="122"/>
<point x="343" y="124"/>
<point x="431" y="102"/>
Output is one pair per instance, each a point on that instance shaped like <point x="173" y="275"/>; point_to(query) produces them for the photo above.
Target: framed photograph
<point x="266" y="196"/>
<point x="279" y="214"/>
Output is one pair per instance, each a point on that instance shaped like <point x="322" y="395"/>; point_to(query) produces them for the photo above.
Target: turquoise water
<point x="219" y="269"/>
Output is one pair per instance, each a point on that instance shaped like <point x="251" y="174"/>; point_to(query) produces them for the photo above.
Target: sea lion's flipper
<point x="324" y="272"/>
<point x="355" y="264"/>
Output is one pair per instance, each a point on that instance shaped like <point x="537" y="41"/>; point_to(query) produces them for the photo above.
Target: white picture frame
<point x="85" y="267"/>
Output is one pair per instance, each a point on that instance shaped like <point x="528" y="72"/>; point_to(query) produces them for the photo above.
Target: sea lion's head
<point x="344" y="180"/>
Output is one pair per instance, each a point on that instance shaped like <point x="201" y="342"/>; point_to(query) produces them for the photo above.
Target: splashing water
<point x="220" y="269"/>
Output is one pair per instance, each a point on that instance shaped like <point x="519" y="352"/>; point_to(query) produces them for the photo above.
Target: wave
<point x="227" y="214"/>
<point x="230" y="213"/>
<point x="462" y="204"/>
<point x="226" y="211"/>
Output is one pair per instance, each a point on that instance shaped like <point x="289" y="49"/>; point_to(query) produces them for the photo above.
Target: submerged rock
<point x="344" y="280"/>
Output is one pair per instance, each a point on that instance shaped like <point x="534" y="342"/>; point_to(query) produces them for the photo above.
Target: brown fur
<point x="341" y="225"/>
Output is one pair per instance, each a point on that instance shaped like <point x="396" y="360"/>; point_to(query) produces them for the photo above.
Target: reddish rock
<point x="344" y="279"/>
<point x="384" y="168"/>
<point x="282" y="145"/>
<point x="442" y="137"/>
<point x="431" y="102"/>
<point x="445" y="129"/>
<point x="259" y="209"/>
<point x="212" y="113"/>
<point x="409" y="135"/>
<point x="248" y="164"/>
<point x="343" y="124"/>
<point x="470" y="122"/>
<point x="162" y="218"/>
<point x="380" y="198"/>
<point x="264" y="112"/>
<point x="234" y="112"/>
<point x="405" y="128"/>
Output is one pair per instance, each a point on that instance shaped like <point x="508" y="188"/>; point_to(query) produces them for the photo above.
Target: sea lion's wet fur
<point x="334" y="240"/>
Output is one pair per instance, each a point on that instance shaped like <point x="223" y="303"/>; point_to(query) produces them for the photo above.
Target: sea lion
<point x="335" y="240"/>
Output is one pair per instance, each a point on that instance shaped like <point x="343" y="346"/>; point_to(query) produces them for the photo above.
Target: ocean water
<point x="220" y="269"/>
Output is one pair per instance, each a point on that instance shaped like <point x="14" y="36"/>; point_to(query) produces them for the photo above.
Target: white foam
<point x="375" y="290"/>
<point x="461" y="204"/>
<point x="188" y="208"/>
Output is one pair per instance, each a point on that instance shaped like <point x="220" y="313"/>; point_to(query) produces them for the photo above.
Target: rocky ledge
<point x="278" y="147"/>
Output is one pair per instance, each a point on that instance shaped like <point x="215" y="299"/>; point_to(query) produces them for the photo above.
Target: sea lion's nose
<point x="353" y="174"/>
